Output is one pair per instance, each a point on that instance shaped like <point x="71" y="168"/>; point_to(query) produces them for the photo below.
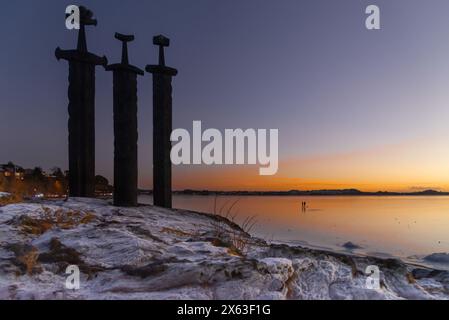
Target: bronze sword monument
<point x="125" y="127"/>
<point x="81" y="95"/>
<point x="162" y="126"/>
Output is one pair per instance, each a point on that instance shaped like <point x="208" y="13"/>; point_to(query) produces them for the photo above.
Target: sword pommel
<point x="123" y="37"/>
<point x="86" y="17"/>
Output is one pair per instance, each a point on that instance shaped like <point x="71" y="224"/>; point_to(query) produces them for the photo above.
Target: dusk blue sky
<point x="368" y="109"/>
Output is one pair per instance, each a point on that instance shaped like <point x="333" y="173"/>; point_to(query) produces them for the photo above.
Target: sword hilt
<point x="162" y="42"/>
<point x="86" y="19"/>
<point x="161" y="68"/>
<point x="124" y="39"/>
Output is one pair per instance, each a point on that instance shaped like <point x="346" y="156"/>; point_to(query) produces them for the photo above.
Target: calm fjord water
<point x="408" y="227"/>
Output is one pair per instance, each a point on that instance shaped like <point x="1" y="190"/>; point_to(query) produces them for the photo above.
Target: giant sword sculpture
<point x="125" y="127"/>
<point x="162" y="126"/>
<point x="82" y="65"/>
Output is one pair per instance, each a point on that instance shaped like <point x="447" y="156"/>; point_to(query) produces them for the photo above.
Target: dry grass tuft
<point x="410" y="278"/>
<point x="50" y="219"/>
<point x="176" y="232"/>
<point x="13" y="198"/>
<point x="26" y="257"/>
<point x="238" y="240"/>
<point x="63" y="256"/>
<point x="29" y="260"/>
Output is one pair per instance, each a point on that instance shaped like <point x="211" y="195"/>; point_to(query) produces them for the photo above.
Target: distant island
<point x="336" y="192"/>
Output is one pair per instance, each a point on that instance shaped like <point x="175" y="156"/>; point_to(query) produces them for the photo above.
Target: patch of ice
<point x="351" y="246"/>
<point x="437" y="258"/>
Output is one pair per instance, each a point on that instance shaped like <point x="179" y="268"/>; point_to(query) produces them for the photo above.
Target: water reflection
<point x="396" y="226"/>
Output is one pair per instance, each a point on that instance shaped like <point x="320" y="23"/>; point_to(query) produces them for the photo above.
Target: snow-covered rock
<point x="154" y="253"/>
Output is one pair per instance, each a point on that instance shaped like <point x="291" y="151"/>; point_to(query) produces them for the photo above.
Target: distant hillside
<point x="336" y="192"/>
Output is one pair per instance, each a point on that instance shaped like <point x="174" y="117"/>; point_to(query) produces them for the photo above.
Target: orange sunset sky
<point x="409" y="166"/>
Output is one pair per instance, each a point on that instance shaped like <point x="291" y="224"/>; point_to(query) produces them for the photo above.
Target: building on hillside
<point x="10" y="170"/>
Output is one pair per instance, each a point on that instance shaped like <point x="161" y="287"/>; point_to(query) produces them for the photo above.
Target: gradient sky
<point x="354" y="108"/>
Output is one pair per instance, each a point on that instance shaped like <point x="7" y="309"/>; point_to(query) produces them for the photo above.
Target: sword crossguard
<point x="81" y="53"/>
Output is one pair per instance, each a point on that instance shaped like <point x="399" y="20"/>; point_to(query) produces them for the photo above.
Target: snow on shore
<point x="4" y="194"/>
<point x="153" y="253"/>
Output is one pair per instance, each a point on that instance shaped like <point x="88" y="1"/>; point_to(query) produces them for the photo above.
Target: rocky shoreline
<point x="153" y="253"/>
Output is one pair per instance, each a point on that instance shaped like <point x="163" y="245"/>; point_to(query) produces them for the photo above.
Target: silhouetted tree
<point x="38" y="173"/>
<point x="57" y="172"/>
<point x="102" y="184"/>
<point x="102" y="181"/>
